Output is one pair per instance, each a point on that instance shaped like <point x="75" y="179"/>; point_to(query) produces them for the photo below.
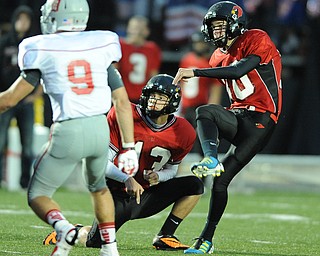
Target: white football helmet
<point x="64" y="15"/>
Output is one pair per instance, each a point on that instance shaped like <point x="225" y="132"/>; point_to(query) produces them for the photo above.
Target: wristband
<point x="127" y="145"/>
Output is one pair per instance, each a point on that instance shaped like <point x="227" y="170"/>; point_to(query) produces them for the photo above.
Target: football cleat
<point x="109" y="249"/>
<point x="168" y="242"/>
<point x="208" y="166"/>
<point x="51" y="238"/>
<point x="66" y="239"/>
<point x="201" y="246"/>
<point x="93" y="237"/>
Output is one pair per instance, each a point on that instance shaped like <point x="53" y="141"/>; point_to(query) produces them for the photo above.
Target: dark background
<point x="291" y="25"/>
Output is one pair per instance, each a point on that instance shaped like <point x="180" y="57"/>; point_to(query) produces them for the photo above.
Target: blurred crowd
<point x="172" y="22"/>
<point x="292" y="24"/>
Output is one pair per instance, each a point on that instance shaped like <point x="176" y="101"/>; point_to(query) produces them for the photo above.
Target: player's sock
<point x="53" y="216"/>
<point x="209" y="230"/>
<point x="107" y="232"/>
<point x="209" y="138"/>
<point x="170" y="225"/>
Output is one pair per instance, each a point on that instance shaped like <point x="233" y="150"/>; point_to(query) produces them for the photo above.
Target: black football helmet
<point x="161" y="83"/>
<point x="230" y="12"/>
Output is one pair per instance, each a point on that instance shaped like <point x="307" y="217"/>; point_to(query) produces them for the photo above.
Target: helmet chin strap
<point x="221" y="41"/>
<point x="153" y="113"/>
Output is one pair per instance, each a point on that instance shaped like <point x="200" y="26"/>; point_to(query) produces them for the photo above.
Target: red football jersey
<point x="155" y="146"/>
<point x="196" y="91"/>
<point x="136" y="66"/>
<point x="261" y="88"/>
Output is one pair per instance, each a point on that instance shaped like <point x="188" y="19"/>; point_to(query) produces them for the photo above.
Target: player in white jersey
<point x="77" y="72"/>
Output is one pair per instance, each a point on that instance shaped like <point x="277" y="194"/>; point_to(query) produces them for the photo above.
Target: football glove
<point x="128" y="161"/>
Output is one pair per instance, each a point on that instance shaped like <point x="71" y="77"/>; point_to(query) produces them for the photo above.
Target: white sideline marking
<point x="17" y="212"/>
<point x="29" y="212"/>
<point x="41" y="227"/>
<point x="272" y="216"/>
<point x="282" y="217"/>
<point x="262" y="242"/>
<point x="10" y="252"/>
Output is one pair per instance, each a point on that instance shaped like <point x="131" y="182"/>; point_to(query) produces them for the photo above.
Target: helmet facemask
<point x="157" y="104"/>
<point x="222" y="28"/>
<point x="160" y="91"/>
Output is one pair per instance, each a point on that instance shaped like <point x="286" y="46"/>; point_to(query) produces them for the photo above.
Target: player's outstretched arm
<point x="12" y="96"/>
<point x="183" y="74"/>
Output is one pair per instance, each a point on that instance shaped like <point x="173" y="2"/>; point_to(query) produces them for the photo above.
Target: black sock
<point x="170" y="225"/>
<point x="210" y="148"/>
<point x="208" y="135"/>
<point x="208" y="231"/>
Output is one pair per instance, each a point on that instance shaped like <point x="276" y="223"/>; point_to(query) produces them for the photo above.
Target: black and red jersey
<point x="155" y="146"/>
<point x="261" y="88"/>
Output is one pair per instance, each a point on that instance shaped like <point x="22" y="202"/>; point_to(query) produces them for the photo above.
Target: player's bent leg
<point x="183" y="205"/>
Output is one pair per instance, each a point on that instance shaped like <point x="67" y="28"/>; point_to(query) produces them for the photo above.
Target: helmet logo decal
<point x="55" y="5"/>
<point x="236" y="12"/>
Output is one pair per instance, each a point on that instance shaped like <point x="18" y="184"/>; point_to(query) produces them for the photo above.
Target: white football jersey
<point x="73" y="67"/>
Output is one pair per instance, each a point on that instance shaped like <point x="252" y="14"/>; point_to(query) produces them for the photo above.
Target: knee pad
<point x="208" y="111"/>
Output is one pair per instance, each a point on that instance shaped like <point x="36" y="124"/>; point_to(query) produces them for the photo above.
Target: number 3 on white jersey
<point x="139" y="62"/>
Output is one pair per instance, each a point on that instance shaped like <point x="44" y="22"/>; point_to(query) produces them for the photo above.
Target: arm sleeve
<point x="168" y="172"/>
<point x="112" y="172"/>
<point x="114" y="78"/>
<point x="235" y="71"/>
<point x="32" y="76"/>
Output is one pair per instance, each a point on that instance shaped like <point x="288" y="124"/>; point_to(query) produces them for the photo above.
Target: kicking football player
<point x="76" y="67"/>
<point x="249" y="65"/>
<point x="162" y="142"/>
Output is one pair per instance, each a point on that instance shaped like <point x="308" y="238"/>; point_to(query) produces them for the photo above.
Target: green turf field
<point x="257" y="224"/>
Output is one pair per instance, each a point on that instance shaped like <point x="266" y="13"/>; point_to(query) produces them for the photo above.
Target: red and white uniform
<point x="138" y="65"/>
<point x="73" y="67"/>
<point x="156" y="147"/>
<point x="196" y="92"/>
<point x="260" y="89"/>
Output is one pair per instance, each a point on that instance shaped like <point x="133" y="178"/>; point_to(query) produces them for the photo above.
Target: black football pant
<point x="153" y="200"/>
<point x="248" y="132"/>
